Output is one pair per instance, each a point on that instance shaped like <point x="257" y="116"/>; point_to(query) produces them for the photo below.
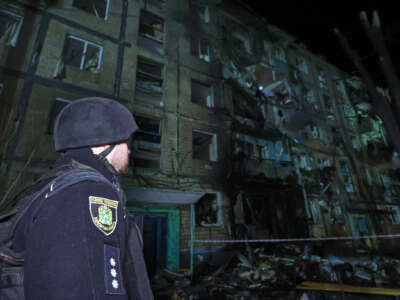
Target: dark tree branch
<point x="374" y="32"/>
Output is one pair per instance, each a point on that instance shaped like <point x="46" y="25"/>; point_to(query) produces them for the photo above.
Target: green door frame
<point x="173" y="245"/>
<point x="352" y="217"/>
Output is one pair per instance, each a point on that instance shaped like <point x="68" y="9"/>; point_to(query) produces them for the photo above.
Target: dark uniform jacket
<point x="75" y="243"/>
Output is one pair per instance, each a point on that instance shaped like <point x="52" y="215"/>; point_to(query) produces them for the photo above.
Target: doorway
<point x="155" y="236"/>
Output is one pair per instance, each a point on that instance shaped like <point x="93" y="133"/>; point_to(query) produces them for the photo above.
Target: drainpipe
<point x="191" y="238"/>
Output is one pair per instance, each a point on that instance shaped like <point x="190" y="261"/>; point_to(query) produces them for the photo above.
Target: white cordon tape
<point x="316" y="239"/>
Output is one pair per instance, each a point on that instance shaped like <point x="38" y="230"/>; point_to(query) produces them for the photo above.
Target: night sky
<point x="312" y="22"/>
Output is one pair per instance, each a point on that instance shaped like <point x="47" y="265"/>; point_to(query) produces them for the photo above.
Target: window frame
<point x="196" y="42"/>
<point x="83" y="58"/>
<point x="18" y="18"/>
<point x="135" y="144"/>
<point x="212" y="153"/>
<point x="195" y="7"/>
<point x="209" y="101"/>
<point x="105" y="12"/>
<point x="139" y="73"/>
<point x="219" y="221"/>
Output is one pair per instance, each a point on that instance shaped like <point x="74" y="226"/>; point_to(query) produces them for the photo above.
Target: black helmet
<point x="92" y="122"/>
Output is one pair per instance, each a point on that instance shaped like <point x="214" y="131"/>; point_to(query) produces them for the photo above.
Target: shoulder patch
<point x="104" y="213"/>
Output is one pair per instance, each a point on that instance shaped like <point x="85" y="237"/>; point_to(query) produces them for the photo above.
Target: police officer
<point x="78" y="243"/>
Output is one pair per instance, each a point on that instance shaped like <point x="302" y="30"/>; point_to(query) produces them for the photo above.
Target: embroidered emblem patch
<point x="104" y="213"/>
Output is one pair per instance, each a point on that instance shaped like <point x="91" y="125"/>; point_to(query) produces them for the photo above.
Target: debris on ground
<point x="259" y="273"/>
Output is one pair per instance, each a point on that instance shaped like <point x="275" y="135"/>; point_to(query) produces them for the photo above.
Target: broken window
<point x="395" y="214"/>
<point x="204" y="145"/>
<point x="200" y="12"/>
<point x="146" y="145"/>
<point x="10" y="26"/>
<point x="252" y="147"/>
<point x="82" y="54"/>
<point x="149" y="82"/>
<point x="201" y="94"/>
<point x="241" y="37"/>
<point x="57" y="105"/>
<point x="316" y="132"/>
<point x="368" y="176"/>
<point x="348" y="182"/>
<point x="99" y="8"/>
<point x="329" y="107"/>
<point x="208" y="210"/>
<point x="201" y="48"/>
<point x="301" y="64"/>
<point x="311" y="99"/>
<point x="322" y="78"/>
<point x="151" y="32"/>
<point x="279" y="54"/>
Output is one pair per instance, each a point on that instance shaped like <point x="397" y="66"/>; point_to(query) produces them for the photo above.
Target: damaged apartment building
<point x="244" y="133"/>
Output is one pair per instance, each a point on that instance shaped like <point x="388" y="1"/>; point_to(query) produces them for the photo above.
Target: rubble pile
<point x="273" y="273"/>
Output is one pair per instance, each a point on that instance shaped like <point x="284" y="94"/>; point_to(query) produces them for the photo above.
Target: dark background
<point x="312" y="22"/>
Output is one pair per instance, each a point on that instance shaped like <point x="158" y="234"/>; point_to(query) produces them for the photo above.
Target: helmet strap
<point x="102" y="155"/>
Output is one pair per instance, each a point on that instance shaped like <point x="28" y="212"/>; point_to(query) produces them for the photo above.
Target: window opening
<point x="82" y="54"/>
<point x="10" y="27"/>
<point x="200" y="48"/>
<point x="278" y="53"/>
<point x="201" y="94"/>
<point x="208" y="210"/>
<point x="200" y="12"/>
<point x="329" y="107"/>
<point x="322" y="79"/>
<point x="301" y="64"/>
<point x="146" y="144"/>
<point x="149" y="82"/>
<point x="204" y="146"/>
<point x="347" y="177"/>
<point x="99" y="8"/>
<point x="312" y="100"/>
<point x="151" y="32"/>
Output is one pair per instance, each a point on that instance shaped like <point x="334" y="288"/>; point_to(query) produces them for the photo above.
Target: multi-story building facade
<point x="243" y="131"/>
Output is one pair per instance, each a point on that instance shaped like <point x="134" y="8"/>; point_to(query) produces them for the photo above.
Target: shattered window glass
<point x="347" y="177"/>
<point x="329" y="107"/>
<point x="278" y="53"/>
<point x="151" y="32"/>
<point x="395" y="214"/>
<point x="208" y="210"/>
<point x="312" y="99"/>
<point x="200" y="12"/>
<point x="201" y="48"/>
<point x="243" y="39"/>
<point x="204" y="146"/>
<point x="149" y="82"/>
<point x="301" y="64"/>
<point x="10" y="26"/>
<point x="201" y="94"/>
<point x="57" y="105"/>
<point x="146" y="146"/>
<point x="321" y="78"/>
<point x="82" y="54"/>
<point x="99" y="8"/>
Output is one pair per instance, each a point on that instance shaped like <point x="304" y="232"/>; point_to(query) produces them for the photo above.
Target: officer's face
<point x="120" y="158"/>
